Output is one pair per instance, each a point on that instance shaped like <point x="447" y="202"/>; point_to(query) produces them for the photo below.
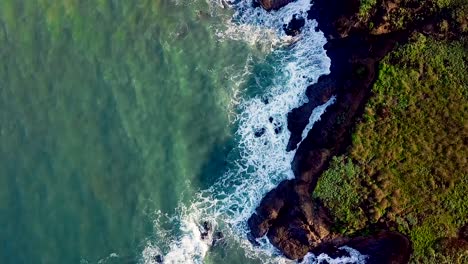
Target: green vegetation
<point x="453" y="14"/>
<point x="365" y="7"/>
<point x="407" y="165"/>
<point x="343" y="201"/>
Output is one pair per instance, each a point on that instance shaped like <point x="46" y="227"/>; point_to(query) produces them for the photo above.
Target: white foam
<point x="315" y="116"/>
<point x="354" y="258"/>
<point x="262" y="137"/>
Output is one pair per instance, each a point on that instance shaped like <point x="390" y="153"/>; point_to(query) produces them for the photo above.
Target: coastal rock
<point x="274" y="4"/>
<point x="290" y="239"/>
<point x="291" y="220"/>
<point x="293" y="28"/>
<point x="302" y="228"/>
<point x="385" y="247"/>
<point x="287" y="215"/>
<point x="318" y="94"/>
<point x="268" y="210"/>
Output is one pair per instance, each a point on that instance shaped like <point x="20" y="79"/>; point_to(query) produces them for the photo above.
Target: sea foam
<point x="262" y="135"/>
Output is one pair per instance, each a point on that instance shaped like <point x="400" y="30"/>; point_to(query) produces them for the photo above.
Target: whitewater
<point x="262" y="137"/>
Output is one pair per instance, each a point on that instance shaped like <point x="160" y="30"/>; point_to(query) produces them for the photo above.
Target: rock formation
<point x="288" y="216"/>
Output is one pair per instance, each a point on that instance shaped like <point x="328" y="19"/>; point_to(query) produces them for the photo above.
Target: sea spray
<point x="262" y="134"/>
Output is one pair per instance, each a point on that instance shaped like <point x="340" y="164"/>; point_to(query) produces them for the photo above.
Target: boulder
<point x="303" y="228"/>
<point x="292" y="221"/>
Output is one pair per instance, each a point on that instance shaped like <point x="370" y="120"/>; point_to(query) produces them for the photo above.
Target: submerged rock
<point x="205" y="230"/>
<point x="158" y="259"/>
<point x="259" y="132"/>
<point x="274" y="4"/>
<point x="218" y="238"/>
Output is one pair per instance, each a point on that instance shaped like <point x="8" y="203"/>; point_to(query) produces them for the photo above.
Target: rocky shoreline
<point x="287" y="215"/>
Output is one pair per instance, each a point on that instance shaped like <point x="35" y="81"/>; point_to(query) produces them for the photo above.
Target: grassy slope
<point x="407" y="163"/>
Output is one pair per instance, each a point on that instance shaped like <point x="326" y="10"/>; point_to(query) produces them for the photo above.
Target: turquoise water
<point x="128" y="126"/>
<point x="109" y="111"/>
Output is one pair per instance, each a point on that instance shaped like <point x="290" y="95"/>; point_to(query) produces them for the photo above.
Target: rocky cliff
<point x="288" y="216"/>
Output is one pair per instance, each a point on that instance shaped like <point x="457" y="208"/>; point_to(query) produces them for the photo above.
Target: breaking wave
<point x="262" y="137"/>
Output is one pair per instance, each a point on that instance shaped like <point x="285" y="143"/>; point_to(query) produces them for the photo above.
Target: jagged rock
<point x="304" y="227"/>
<point x="258" y="226"/>
<point x="268" y="210"/>
<point x="274" y="4"/>
<point x="316" y="160"/>
<point x="291" y="220"/>
<point x="291" y="239"/>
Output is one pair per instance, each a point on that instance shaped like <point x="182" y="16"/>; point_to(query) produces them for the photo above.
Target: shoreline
<point x="287" y="215"/>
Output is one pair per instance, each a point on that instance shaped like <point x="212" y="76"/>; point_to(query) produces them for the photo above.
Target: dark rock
<point x="291" y="239"/>
<point x="292" y="222"/>
<point x="158" y="259"/>
<point x="258" y="225"/>
<point x="334" y="252"/>
<point x="336" y="18"/>
<point x="302" y="228"/>
<point x="274" y="4"/>
<point x="298" y="118"/>
<point x="293" y="28"/>
<point x="255" y="4"/>
<point x="206" y="229"/>
<point x="278" y="129"/>
<point x="268" y="211"/>
<point x="218" y="238"/>
<point x="207" y="226"/>
<point x="384" y="248"/>
<point x="252" y="240"/>
<point x="259" y="132"/>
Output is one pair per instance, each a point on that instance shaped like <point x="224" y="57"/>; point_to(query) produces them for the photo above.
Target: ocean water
<point x="128" y="126"/>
